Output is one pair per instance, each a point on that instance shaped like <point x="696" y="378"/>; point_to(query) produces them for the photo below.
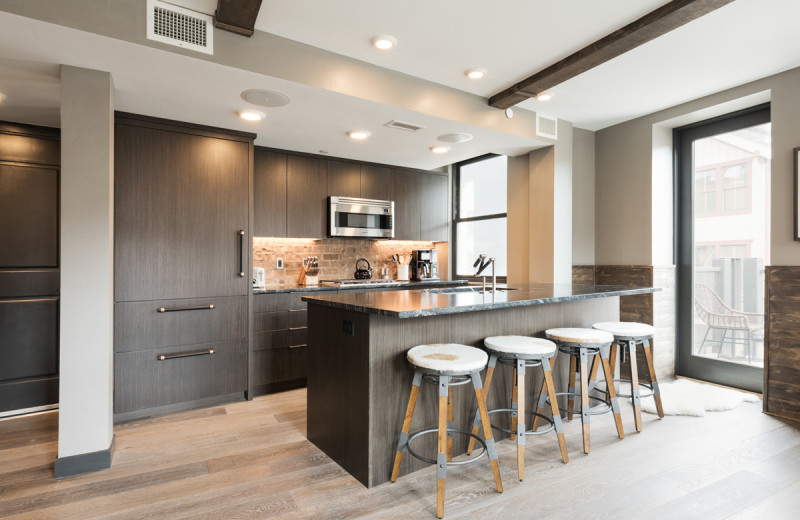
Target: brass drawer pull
<point x="163" y="357"/>
<point x="297" y="310"/>
<point x="298" y="346"/>
<point x="297" y="328"/>
<point x="192" y="308"/>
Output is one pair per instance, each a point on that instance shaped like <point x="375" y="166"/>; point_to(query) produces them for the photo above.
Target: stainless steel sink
<point x="460" y="290"/>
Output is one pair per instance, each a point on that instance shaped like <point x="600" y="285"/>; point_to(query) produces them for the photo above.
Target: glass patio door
<point x="723" y="246"/>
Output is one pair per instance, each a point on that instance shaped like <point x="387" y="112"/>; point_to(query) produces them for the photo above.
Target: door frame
<point x="686" y="364"/>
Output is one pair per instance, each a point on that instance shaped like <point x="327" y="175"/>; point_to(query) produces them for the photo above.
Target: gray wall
<point x="583" y="188"/>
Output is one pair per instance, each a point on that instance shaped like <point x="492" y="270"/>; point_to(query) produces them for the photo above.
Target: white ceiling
<point x="437" y="41"/>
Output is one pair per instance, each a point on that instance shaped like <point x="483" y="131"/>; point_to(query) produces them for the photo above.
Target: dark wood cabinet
<point x="269" y="193"/>
<point x="182" y="261"/>
<point x="404" y="190"/>
<point x="307" y="190"/>
<point x="375" y="182"/>
<point x="433" y="199"/>
<point x="344" y="179"/>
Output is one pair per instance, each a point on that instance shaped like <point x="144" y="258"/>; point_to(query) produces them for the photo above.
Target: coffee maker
<point x="424" y="264"/>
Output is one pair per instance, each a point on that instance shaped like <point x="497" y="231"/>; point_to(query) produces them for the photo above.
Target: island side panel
<point x="390" y="373"/>
<point x="338" y="387"/>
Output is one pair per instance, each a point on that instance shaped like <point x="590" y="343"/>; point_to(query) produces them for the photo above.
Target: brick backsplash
<point x="337" y="256"/>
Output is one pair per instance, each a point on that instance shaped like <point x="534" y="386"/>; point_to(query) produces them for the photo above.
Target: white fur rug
<point x="685" y="397"/>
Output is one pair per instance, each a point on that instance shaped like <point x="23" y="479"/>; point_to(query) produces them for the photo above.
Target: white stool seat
<point x="524" y="345"/>
<point x="627" y="329"/>
<point x="575" y="335"/>
<point x="448" y="357"/>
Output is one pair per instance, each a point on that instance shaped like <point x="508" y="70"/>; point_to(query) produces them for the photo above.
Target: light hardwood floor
<point x="251" y="460"/>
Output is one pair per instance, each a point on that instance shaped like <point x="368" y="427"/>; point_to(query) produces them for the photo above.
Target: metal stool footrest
<point x="605" y="409"/>
<point x="649" y="387"/>
<point x="453" y="462"/>
<point x="432" y="379"/>
<point x="527" y="432"/>
<point x="512" y="362"/>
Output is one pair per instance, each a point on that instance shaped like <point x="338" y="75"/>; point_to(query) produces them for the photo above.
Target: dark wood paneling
<point x="344" y="179"/>
<point x="583" y="275"/>
<point x="29" y="144"/>
<point x="33" y="282"/>
<point x="237" y="16"/>
<point x="28" y="393"/>
<point x="433" y="211"/>
<point x="28" y="216"/>
<point x="404" y="191"/>
<point x="142" y="381"/>
<point x="139" y="325"/>
<point x="782" y="342"/>
<point x="637" y="307"/>
<point x="269" y="194"/>
<point x="181" y="200"/>
<point x="29" y="341"/>
<point x="306" y="206"/>
<point x="280" y="365"/>
<point x="375" y="182"/>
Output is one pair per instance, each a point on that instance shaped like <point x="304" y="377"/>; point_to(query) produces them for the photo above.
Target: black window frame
<point x="456" y="219"/>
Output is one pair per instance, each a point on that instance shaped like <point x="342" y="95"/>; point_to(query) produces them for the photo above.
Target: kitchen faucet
<point x="484" y="263"/>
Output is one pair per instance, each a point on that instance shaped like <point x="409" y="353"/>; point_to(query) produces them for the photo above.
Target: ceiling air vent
<point x="181" y="27"/>
<point x="547" y="126"/>
<point x="408" y="127"/>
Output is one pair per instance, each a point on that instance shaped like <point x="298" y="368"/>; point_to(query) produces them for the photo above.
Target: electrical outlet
<point x="280" y="263"/>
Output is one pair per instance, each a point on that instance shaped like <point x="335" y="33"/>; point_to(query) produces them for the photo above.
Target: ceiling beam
<point x="650" y="26"/>
<point x="237" y="16"/>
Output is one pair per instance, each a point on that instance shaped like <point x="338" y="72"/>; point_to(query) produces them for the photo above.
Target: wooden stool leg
<point x="542" y="394"/>
<point x="487" y="431"/>
<point x="654" y="381"/>
<point x="441" y="456"/>
<point x="612" y="360"/>
<point x="571" y="389"/>
<point x="593" y="373"/>
<point x="585" y="417"/>
<point x="403" y="443"/>
<point x="476" y="422"/>
<point x="612" y="394"/>
<point x="636" y="400"/>
<point x="521" y="422"/>
<point x="551" y="392"/>
<point x="514" y="406"/>
<point x="450" y="425"/>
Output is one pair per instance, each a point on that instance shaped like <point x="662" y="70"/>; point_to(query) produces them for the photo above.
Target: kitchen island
<point x="359" y="379"/>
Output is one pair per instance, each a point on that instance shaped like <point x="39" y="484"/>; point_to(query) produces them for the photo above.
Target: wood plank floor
<point x="251" y="460"/>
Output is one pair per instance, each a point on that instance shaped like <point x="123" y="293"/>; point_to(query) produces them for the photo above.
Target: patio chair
<point x="716" y="315"/>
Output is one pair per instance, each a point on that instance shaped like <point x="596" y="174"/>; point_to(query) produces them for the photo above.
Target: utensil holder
<point x="312" y="279"/>
<point x="402" y="272"/>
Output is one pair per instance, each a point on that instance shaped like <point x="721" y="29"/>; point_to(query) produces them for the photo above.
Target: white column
<point x="87" y="267"/>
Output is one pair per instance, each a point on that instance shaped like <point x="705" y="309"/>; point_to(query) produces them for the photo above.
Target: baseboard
<point x="84" y="463"/>
<point x="278" y="387"/>
<point x="177" y="407"/>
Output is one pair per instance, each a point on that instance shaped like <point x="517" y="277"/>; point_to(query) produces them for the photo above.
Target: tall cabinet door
<point x="404" y="191"/>
<point x="307" y="188"/>
<point x="269" y="194"/>
<point x="433" y="224"/>
<point x="180" y="213"/>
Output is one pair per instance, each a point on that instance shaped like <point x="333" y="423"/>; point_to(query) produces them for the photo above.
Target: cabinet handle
<point x="241" y="256"/>
<point x="192" y="308"/>
<point x="298" y="346"/>
<point x="297" y="328"/>
<point x="297" y="310"/>
<point x="163" y="357"/>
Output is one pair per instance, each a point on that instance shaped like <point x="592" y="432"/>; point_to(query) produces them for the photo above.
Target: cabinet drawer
<point x="278" y="320"/>
<point x="142" y="325"/>
<point x="28" y="338"/>
<point x="280" y="339"/>
<point x="271" y="302"/>
<point x="277" y="365"/>
<point x="142" y="380"/>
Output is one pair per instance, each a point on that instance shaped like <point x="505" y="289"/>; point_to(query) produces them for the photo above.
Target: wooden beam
<point x="237" y="16"/>
<point x="652" y="25"/>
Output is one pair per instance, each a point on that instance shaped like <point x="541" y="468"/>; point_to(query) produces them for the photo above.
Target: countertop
<point x="418" y="303"/>
<point x="272" y="289"/>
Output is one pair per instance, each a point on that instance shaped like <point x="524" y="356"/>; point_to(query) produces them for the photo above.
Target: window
<point x="480" y="214"/>
<point x="722" y="188"/>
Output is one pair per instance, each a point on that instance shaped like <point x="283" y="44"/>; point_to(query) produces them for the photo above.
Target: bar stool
<point x="446" y="365"/>
<point x="629" y="335"/>
<point x="522" y="352"/>
<point x="580" y="344"/>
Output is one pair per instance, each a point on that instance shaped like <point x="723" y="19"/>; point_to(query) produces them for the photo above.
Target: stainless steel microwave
<point x="366" y="218"/>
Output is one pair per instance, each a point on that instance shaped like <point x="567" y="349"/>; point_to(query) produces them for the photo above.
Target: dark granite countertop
<point x="272" y="289"/>
<point x="431" y="302"/>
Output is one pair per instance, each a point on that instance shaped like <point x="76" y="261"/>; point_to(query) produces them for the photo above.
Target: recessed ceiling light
<point x="359" y="134"/>
<point x="475" y="73"/>
<point x="544" y="96"/>
<point x="454" y="138"/>
<point x="251" y="115"/>
<point x="440" y="149"/>
<point x="383" y="41"/>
